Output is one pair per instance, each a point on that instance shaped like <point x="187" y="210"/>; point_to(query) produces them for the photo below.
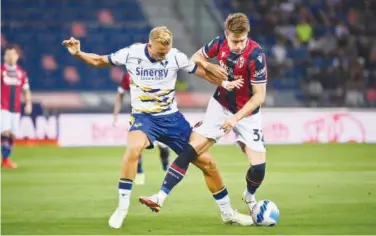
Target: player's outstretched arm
<point x="201" y="72"/>
<point x="212" y="69"/>
<point x="74" y="47"/>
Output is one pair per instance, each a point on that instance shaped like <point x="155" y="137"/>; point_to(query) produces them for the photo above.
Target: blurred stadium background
<point x="322" y="88"/>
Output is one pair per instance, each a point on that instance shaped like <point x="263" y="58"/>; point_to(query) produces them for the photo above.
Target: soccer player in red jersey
<point x="14" y="82"/>
<point x="164" y="151"/>
<point x="237" y="110"/>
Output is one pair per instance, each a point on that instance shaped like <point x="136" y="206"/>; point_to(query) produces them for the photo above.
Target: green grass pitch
<point x="319" y="189"/>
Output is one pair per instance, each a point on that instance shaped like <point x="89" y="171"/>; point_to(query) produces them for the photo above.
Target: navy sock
<point x="125" y="184"/>
<point x="6" y="146"/>
<point x="255" y="176"/>
<point x="178" y="168"/>
<point x="140" y="170"/>
<point x="164" y="154"/>
<point x="220" y="194"/>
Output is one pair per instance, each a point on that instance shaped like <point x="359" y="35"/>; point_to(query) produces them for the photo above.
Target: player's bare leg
<point x="255" y="174"/>
<point x="137" y="141"/>
<point x="6" y="148"/>
<point x="198" y="144"/>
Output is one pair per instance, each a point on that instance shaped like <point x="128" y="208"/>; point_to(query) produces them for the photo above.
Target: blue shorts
<point x="172" y="129"/>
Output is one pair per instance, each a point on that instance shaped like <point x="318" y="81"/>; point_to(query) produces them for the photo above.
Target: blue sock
<point x="140" y="170"/>
<point x="125" y="184"/>
<point x="6" y="146"/>
<point x="164" y="154"/>
<point x="178" y="168"/>
<point x="255" y="176"/>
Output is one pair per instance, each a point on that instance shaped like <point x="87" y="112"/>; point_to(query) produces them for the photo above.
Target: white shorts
<point x="248" y="130"/>
<point x="10" y="121"/>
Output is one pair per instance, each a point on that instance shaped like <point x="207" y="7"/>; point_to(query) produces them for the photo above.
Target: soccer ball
<point x="265" y="213"/>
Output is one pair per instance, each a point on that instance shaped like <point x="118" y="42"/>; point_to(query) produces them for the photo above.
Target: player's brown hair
<point x="161" y="35"/>
<point x="10" y="47"/>
<point x="237" y="23"/>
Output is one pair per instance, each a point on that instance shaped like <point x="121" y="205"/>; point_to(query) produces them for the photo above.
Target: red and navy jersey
<point x="250" y="65"/>
<point x="13" y="81"/>
<point x="125" y="83"/>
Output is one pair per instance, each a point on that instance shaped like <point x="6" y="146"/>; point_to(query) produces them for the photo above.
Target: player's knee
<point x="211" y="166"/>
<point x="134" y="151"/>
<point x="208" y="166"/>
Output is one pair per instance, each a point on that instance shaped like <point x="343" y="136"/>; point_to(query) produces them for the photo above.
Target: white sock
<point x="249" y="197"/>
<point x="161" y="197"/>
<point x="124" y="198"/>
<point x="224" y="205"/>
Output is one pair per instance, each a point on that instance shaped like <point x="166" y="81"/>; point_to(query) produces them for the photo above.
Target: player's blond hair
<point x="237" y="23"/>
<point x="161" y="35"/>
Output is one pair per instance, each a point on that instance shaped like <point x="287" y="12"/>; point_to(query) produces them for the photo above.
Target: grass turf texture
<point x="319" y="189"/>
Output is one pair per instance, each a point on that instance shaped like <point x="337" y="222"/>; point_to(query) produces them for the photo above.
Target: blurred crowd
<point x="323" y="52"/>
<point x="324" y="48"/>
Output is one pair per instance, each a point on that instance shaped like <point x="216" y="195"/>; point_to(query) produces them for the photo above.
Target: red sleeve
<point x="211" y="49"/>
<point x="125" y="83"/>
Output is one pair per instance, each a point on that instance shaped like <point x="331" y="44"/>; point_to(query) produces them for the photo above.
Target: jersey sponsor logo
<point x="11" y="81"/>
<point x="260" y="72"/>
<point x="151" y="74"/>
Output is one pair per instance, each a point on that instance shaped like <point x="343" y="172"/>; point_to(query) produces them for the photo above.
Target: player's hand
<point x="28" y="108"/>
<point x="115" y="121"/>
<point x="73" y="45"/>
<point x="236" y="84"/>
<point x="217" y="71"/>
<point x="229" y="124"/>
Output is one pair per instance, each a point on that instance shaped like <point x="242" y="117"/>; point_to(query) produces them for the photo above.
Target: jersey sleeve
<point x="119" y="58"/>
<point x="257" y="67"/>
<point x="211" y="49"/>
<point x="125" y="83"/>
<point x="184" y="63"/>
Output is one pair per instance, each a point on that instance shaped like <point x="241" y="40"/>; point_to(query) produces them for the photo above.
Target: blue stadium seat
<point x="41" y="25"/>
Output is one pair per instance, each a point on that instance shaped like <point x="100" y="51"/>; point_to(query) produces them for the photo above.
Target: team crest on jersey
<point x="240" y="62"/>
<point x="259" y="58"/>
<point x="223" y="54"/>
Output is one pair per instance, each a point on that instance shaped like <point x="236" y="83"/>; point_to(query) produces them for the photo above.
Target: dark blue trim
<point x="110" y="60"/>
<point x="12" y="98"/>
<point x="152" y="60"/>
<point x="127" y="186"/>
<point x="194" y="69"/>
<point x="221" y="194"/>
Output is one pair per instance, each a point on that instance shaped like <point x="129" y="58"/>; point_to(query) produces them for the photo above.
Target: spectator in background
<point x="303" y="31"/>
<point x="356" y="84"/>
<point x="279" y="52"/>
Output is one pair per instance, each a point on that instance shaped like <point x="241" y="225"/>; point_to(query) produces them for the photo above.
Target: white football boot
<point x="117" y="218"/>
<point x="235" y="217"/>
